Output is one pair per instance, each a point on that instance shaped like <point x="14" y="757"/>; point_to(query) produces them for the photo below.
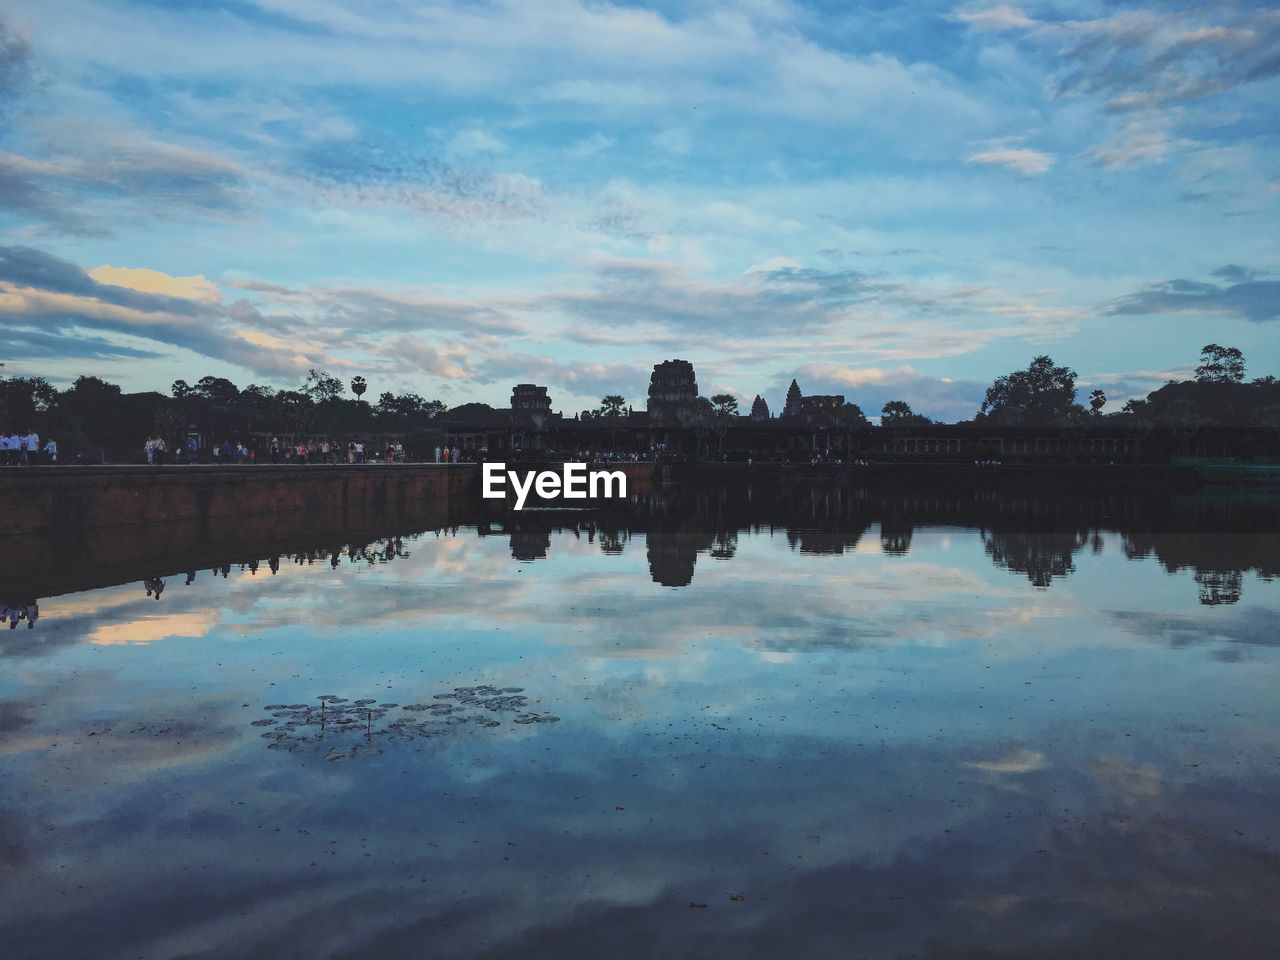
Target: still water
<point x="693" y="727"/>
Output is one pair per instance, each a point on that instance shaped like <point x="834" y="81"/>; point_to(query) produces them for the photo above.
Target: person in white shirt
<point x="51" y="451"/>
<point x="30" y="447"/>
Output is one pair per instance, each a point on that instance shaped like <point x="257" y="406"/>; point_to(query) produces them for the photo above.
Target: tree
<point x="1220" y="364"/>
<point x="358" y="386"/>
<point x="898" y="413"/>
<point x="180" y="389"/>
<point x="321" y="386"/>
<point x="612" y="405"/>
<point x="22" y="398"/>
<point x="725" y="405"/>
<point x="1097" y="400"/>
<point x="851" y="415"/>
<point x="217" y="390"/>
<point x="1041" y="395"/>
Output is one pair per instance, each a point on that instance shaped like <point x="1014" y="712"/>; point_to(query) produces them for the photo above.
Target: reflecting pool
<point x="797" y="723"/>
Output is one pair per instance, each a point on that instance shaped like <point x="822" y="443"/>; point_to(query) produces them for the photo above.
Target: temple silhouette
<point x="678" y="423"/>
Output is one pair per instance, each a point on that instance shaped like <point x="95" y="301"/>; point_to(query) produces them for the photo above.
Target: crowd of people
<point x="276" y="451"/>
<point x="25" y="449"/>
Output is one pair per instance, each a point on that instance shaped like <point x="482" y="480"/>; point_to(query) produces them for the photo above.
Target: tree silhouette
<point x="359" y="386"/>
<point x="1097" y="400"/>
<point x="1220" y="364"/>
<point x="726" y="404"/>
<point x="1038" y="396"/>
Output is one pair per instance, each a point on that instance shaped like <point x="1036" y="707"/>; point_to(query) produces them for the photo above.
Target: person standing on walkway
<point x="32" y="441"/>
<point x="51" y="451"/>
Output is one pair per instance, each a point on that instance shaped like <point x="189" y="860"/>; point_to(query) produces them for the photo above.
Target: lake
<point x="795" y="722"/>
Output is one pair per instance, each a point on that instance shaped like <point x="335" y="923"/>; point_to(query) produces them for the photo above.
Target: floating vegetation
<point x="343" y="729"/>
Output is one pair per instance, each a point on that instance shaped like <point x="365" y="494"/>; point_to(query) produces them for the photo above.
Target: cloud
<point x="872" y="387"/>
<point x="1148" y="59"/>
<point x="90" y="169"/>
<point x="153" y="281"/>
<point x="15" y="62"/>
<point x="586" y="379"/>
<point x="56" y="297"/>
<point x="1003" y="17"/>
<point x="1138" y="144"/>
<point x="1029" y="163"/>
<point x="1246" y="299"/>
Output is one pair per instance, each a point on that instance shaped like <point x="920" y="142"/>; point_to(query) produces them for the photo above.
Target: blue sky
<point x="888" y="201"/>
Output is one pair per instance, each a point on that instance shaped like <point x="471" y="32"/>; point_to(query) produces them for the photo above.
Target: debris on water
<point x="737" y="897"/>
<point x="697" y="906"/>
<point x="340" y="730"/>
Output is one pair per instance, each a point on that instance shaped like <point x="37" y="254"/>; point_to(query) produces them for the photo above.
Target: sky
<point x="884" y="200"/>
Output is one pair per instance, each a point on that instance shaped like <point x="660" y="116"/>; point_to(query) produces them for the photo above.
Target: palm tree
<point x="358" y="386"/>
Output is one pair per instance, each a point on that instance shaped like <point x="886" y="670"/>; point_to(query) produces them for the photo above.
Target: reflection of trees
<point x="1219" y="559"/>
<point x="1041" y="556"/>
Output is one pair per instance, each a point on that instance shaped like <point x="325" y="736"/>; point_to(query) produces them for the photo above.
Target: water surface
<point x="697" y="727"/>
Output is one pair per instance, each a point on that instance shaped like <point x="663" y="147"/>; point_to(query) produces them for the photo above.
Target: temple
<point x="679" y="424"/>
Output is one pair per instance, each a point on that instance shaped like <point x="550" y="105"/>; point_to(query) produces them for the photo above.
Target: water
<point x="705" y="726"/>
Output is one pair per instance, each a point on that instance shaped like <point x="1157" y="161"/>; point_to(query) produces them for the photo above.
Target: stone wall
<point x="74" y="499"/>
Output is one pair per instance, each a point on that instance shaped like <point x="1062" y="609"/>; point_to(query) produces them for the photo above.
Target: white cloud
<point x="1029" y="163"/>
<point x="1003" y="17"/>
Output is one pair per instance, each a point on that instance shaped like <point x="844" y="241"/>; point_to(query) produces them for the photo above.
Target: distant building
<point x="673" y="394"/>
<point x="792" y="407"/>
<point x="759" y="409"/>
<point x="530" y="416"/>
<point x="530" y="406"/>
<point x="821" y="403"/>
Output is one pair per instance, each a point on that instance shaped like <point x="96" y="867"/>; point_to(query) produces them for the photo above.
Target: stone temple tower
<point x="792" y="409"/>
<point x="673" y="392"/>
<point x="759" y="409"/>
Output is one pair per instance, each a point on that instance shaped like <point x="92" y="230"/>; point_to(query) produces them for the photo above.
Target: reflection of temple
<point x="672" y="557"/>
<point x="1041" y="556"/>
<point x="1037" y="535"/>
<point x="530" y="544"/>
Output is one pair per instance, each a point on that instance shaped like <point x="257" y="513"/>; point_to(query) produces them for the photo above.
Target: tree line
<point x="93" y="417"/>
